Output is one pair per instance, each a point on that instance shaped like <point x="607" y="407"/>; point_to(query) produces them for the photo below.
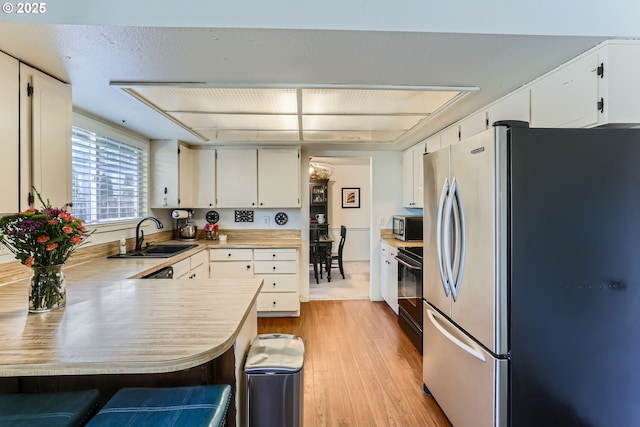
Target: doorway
<point x="348" y="204"/>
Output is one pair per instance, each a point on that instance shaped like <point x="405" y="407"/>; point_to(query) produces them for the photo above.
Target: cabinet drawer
<point x="198" y="259"/>
<point x="181" y="268"/>
<point x="278" y="302"/>
<point x="274" y="254"/>
<point x="276" y="267"/>
<point x="231" y="254"/>
<point x="278" y="282"/>
<point x="231" y="270"/>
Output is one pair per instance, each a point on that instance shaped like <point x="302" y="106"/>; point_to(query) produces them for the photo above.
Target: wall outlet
<point x="266" y="220"/>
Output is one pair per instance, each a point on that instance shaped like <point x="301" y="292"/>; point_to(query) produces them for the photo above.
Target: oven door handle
<point x="409" y="266"/>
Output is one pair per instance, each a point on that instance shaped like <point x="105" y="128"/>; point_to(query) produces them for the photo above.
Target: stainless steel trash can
<point x="273" y="370"/>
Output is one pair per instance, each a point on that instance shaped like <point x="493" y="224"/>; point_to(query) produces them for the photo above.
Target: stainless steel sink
<point x="157" y="251"/>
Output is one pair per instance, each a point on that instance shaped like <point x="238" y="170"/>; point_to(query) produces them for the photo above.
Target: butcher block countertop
<point x="116" y="323"/>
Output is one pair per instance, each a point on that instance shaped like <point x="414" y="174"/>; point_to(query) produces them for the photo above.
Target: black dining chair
<point x="318" y="255"/>
<point x="336" y="258"/>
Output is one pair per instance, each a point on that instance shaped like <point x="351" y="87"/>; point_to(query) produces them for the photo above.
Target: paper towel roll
<point x="180" y="214"/>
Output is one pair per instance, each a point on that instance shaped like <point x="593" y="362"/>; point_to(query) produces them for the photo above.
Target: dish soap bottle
<point x="123" y="246"/>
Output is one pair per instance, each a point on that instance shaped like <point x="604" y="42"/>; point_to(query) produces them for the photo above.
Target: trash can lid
<point x="275" y="353"/>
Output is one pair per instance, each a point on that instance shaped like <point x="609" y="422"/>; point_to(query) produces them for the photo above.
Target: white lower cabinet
<point x="389" y="275"/>
<point x="278" y="268"/>
<point x="194" y="267"/>
<point x="231" y="263"/>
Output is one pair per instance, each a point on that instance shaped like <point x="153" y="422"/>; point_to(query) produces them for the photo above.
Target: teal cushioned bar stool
<point x="193" y="406"/>
<point x="60" y="409"/>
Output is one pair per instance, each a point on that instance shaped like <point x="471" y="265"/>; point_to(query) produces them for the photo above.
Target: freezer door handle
<point x="447" y="250"/>
<point x="461" y="341"/>
<point x="460" y="239"/>
<point x="439" y="232"/>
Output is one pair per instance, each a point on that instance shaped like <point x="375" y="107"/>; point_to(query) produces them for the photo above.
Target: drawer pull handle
<point x="274" y="267"/>
<point x="274" y="284"/>
<point x="228" y="254"/>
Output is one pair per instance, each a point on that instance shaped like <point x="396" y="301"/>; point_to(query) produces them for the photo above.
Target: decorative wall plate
<point x="243" y="216"/>
<point x="212" y="217"/>
<point x="281" y="218"/>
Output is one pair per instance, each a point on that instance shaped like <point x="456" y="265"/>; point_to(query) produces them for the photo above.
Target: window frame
<point x="104" y="129"/>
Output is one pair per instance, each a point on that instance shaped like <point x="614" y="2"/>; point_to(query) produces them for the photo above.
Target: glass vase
<point x="47" y="289"/>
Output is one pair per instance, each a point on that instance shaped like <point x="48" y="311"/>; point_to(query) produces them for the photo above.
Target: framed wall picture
<point x="351" y="197"/>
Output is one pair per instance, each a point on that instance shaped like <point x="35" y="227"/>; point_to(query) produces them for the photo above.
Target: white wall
<point x="356" y="220"/>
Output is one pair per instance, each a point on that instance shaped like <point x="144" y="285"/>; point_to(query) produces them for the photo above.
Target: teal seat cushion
<point x="61" y="409"/>
<point x="173" y="406"/>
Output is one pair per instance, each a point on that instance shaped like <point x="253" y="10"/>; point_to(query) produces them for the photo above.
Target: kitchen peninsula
<point x="116" y="332"/>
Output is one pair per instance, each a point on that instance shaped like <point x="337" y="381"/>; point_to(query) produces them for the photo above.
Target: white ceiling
<point x="91" y="57"/>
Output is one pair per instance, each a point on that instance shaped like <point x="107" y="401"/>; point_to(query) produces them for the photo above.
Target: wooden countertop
<point x="393" y="242"/>
<point x="116" y="325"/>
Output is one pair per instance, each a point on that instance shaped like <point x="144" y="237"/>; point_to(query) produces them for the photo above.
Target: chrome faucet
<point x="140" y="233"/>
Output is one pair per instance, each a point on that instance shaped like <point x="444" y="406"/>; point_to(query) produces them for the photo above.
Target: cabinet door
<point x="231" y="270"/>
<point x="45" y="137"/>
<point x="512" y="107"/>
<point x="473" y="124"/>
<point x="200" y="272"/>
<point x="237" y="178"/>
<point x="181" y="269"/>
<point x="384" y="277"/>
<point x="9" y="133"/>
<point x="205" y="181"/>
<point x="432" y="143"/>
<point x="279" y="178"/>
<point x="568" y="96"/>
<point x="186" y="177"/>
<point x="164" y="174"/>
<point x="418" y="184"/>
<point x="393" y="281"/>
<point x="450" y="136"/>
<point x="407" y="178"/>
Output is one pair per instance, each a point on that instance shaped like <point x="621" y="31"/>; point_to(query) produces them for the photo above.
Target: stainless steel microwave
<point x="407" y="227"/>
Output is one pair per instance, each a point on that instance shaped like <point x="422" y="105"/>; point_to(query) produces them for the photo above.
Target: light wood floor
<point x="359" y="370"/>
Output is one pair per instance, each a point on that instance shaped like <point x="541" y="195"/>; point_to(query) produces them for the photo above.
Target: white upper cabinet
<point x="450" y="136"/>
<point x="45" y="138"/>
<point x="186" y="177"/>
<point x="597" y="88"/>
<point x="279" y="178"/>
<point x="205" y="178"/>
<point x="473" y="124"/>
<point x="412" y="176"/>
<point x="619" y="85"/>
<point x="432" y="143"/>
<point x="172" y="175"/>
<point x="9" y="133"/>
<point x="514" y="106"/>
<point x="237" y="178"/>
<point x="258" y="178"/>
<point x="568" y="96"/>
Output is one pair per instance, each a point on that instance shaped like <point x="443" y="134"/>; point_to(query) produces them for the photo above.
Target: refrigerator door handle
<point x="448" y="213"/>
<point x="439" y="232"/>
<point x="470" y="347"/>
<point x="460" y="239"/>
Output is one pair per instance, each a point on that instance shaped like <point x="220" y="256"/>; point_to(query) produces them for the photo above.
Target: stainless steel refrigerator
<point x="532" y="277"/>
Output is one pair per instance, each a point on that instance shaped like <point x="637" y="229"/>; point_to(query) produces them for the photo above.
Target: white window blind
<point x="109" y="178"/>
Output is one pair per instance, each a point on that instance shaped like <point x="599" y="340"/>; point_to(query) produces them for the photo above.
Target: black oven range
<point x="410" y="293"/>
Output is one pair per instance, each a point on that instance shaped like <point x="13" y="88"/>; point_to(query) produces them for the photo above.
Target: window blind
<point x="109" y="178"/>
